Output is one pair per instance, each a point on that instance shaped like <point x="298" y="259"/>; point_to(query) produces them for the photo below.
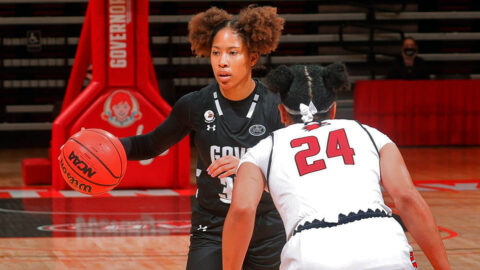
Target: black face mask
<point x="409" y="51"/>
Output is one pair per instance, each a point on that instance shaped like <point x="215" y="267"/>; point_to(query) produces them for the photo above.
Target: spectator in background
<point x="409" y="66"/>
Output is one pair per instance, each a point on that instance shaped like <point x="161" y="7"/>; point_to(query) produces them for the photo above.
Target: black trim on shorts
<point x="342" y="219"/>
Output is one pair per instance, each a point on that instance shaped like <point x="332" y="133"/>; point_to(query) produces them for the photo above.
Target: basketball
<point x="93" y="161"/>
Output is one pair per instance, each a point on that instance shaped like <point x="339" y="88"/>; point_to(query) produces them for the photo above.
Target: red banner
<point x="442" y="112"/>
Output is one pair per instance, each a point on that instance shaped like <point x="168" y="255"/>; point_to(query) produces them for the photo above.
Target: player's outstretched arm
<point x="175" y="127"/>
<point x="413" y="209"/>
<point x="238" y="227"/>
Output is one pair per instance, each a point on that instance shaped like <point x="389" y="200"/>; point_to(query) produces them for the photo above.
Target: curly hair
<point x="259" y="27"/>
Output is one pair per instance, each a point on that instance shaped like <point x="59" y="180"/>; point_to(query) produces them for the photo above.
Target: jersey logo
<point x="212" y="127"/>
<point x="257" y="130"/>
<point x="209" y="116"/>
<point x="202" y="228"/>
<point x="121" y="109"/>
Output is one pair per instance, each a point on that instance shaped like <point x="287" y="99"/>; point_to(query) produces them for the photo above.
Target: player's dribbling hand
<point x="223" y="167"/>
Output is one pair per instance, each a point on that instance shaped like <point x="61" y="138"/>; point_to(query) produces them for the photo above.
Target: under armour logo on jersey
<point x="212" y="127"/>
<point x="202" y="228"/>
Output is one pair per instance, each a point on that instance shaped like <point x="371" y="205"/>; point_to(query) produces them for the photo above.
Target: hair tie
<point x="307" y="112"/>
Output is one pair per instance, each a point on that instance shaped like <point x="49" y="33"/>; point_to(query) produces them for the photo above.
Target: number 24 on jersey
<point x="337" y="145"/>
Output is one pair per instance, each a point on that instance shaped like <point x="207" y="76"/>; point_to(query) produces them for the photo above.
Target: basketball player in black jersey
<point x="228" y="116"/>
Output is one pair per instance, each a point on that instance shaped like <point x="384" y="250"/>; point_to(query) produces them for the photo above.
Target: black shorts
<point x="205" y="251"/>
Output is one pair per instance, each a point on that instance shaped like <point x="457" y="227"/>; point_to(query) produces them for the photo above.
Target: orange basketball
<point x="93" y="161"/>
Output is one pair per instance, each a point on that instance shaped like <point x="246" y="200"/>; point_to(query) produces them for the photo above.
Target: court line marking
<point x="90" y="213"/>
<point x="12" y="193"/>
<point x="451" y="234"/>
<point x="119" y="227"/>
<point x="454" y="185"/>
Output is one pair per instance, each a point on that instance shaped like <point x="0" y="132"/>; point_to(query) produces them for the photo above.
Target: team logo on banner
<point x="121" y="109"/>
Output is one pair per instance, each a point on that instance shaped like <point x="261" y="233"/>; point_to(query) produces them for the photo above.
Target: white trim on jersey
<point x="250" y="111"/>
<point x="252" y="106"/>
<point x="219" y="110"/>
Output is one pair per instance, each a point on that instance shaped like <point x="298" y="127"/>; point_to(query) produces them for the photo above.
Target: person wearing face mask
<point x="409" y="66"/>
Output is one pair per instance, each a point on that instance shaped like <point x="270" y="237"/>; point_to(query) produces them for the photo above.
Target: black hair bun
<point x="279" y="80"/>
<point x="336" y="77"/>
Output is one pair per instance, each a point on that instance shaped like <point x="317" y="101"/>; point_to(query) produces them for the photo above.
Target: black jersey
<point x="226" y="128"/>
<point x="222" y="127"/>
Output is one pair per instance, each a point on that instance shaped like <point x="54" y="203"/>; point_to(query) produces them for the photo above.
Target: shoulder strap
<point x="370" y="136"/>
<point x="374" y="144"/>
<point x="269" y="163"/>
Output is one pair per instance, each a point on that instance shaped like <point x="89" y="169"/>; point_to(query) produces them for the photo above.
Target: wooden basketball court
<point x="44" y="229"/>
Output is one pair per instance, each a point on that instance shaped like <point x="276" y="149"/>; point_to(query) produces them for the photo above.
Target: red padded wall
<point x="123" y="96"/>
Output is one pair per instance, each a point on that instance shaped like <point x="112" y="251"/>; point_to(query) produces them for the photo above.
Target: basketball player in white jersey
<point x="324" y="176"/>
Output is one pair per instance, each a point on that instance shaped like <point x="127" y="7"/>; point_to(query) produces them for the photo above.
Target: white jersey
<point x="318" y="172"/>
<point x="321" y="171"/>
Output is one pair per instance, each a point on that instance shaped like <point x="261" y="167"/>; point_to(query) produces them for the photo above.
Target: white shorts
<point x="372" y="243"/>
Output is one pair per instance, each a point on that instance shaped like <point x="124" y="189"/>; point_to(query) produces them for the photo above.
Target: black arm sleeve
<point x="172" y="130"/>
